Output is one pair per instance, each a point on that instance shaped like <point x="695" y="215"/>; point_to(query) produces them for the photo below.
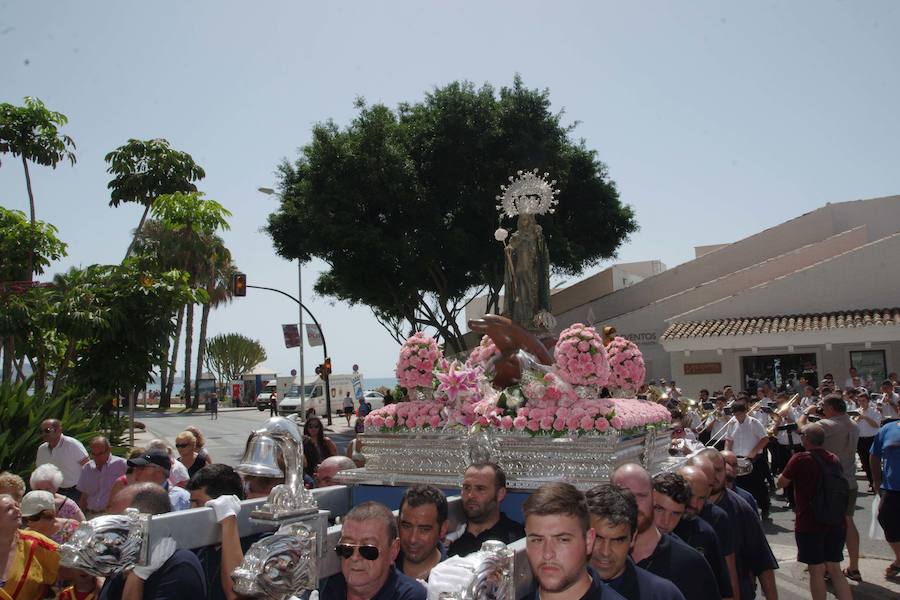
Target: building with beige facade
<point x="816" y="294"/>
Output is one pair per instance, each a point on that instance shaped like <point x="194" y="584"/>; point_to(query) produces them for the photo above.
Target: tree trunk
<point x="188" y="342"/>
<point x="164" y="370"/>
<point x="137" y="232"/>
<point x="165" y="400"/>
<point x="201" y="348"/>
<point x="7" y="359"/>
<point x="33" y="218"/>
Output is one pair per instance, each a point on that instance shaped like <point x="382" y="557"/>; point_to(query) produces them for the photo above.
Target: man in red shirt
<point x="819" y="545"/>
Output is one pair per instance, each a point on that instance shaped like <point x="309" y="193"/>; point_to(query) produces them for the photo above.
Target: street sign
<point x="291" y="335"/>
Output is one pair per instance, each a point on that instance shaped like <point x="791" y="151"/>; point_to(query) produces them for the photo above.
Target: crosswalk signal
<point x="327" y="366"/>
<point x="239" y="284"/>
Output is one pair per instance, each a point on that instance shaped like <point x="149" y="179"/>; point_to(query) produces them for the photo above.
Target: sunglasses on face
<point x="366" y="551"/>
<point x="183" y="445"/>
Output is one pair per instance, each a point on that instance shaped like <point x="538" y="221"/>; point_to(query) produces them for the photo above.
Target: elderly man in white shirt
<point x="745" y="436"/>
<point x="67" y="453"/>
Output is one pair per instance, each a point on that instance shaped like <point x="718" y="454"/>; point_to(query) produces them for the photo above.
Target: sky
<point x="716" y="119"/>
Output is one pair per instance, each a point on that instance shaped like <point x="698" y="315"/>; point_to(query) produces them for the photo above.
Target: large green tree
<point x="31" y="132"/>
<point x="20" y="242"/>
<point x="144" y="170"/>
<point x="229" y="355"/>
<point x="400" y="204"/>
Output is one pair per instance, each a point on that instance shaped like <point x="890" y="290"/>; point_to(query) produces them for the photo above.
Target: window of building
<point x="871" y="367"/>
<point x="783" y="372"/>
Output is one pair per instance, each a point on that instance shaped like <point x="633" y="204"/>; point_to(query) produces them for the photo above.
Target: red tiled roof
<point x="877" y="317"/>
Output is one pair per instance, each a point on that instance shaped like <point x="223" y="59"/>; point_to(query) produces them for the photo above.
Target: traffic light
<point x="327" y="366"/>
<point x="239" y="284"/>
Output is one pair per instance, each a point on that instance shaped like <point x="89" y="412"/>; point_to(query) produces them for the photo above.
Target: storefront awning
<point x="840" y="327"/>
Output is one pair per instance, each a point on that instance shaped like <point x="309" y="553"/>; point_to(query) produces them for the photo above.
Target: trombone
<point x="780" y="413"/>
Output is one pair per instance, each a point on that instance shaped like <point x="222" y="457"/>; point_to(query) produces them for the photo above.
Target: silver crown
<point x="528" y="193"/>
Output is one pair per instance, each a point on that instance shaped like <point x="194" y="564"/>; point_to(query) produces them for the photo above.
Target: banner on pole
<point x="291" y="335"/>
<point x="313" y="334"/>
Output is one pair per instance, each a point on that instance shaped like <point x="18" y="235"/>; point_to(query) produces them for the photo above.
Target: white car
<point x="374" y="398"/>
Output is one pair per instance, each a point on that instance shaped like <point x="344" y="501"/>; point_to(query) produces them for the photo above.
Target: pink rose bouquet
<point x="581" y="357"/>
<point x="626" y="364"/>
<point x="418" y="357"/>
<point x="482" y="354"/>
<point x="419" y="414"/>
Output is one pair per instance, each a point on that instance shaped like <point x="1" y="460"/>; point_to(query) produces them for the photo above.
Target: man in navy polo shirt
<point x="423" y="522"/>
<point x="671" y="495"/>
<point x="614" y="517"/>
<point x="559" y="540"/>
<point x="368" y="548"/>
<point x="664" y="555"/>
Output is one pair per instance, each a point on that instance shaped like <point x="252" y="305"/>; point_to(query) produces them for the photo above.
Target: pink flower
<point x="547" y="423"/>
<point x="389" y="422"/>
<point x="617" y="422"/>
<point x="434" y="421"/>
<point x="533" y="425"/>
<point x="586" y="423"/>
<point x="483" y="421"/>
<point x="601" y="424"/>
<point x="520" y="422"/>
<point x="506" y="422"/>
<point x="572" y="423"/>
<point x="559" y="424"/>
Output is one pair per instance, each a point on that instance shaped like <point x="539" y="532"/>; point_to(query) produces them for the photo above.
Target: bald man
<point x="717" y="518"/>
<point x="664" y="555"/>
<point x="754" y="558"/>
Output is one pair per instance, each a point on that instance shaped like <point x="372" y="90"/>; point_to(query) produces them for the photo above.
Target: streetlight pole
<point x="270" y="192"/>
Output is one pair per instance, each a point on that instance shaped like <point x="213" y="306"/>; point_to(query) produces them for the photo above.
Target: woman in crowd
<point x="186" y="444"/>
<point x="12" y="485"/>
<point x="39" y="514"/>
<point x="48" y="477"/>
<point x="178" y="475"/>
<point x="30" y="560"/>
<point x="201" y="443"/>
<point x="324" y="446"/>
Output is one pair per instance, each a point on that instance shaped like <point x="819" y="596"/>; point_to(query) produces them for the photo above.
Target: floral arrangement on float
<point x="559" y="400"/>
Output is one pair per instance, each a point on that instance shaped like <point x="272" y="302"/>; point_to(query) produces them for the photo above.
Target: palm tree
<point x="32" y="133"/>
<point x="146" y="169"/>
<point x="218" y="275"/>
<point x="195" y="219"/>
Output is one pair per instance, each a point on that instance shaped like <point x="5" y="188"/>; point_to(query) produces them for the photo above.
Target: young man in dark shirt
<point x="368" y="548"/>
<point x="671" y="495"/>
<point x="483" y="489"/>
<point x="614" y="517"/>
<point x="819" y="545"/>
<point x="423" y="522"/>
<point x="559" y="540"/>
<point x="664" y="555"/>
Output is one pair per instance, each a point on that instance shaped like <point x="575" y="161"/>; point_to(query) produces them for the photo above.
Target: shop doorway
<point x="784" y="372"/>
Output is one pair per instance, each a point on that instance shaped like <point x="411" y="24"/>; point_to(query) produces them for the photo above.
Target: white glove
<point x="162" y="551"/>
<point x="225" y="506"/>
<point x="452" y="575"/>
<point x="313" y="595"/>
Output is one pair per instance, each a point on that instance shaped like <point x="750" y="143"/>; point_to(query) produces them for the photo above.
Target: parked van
<point x="264" y="398"/>
<point x="315" y="395"/>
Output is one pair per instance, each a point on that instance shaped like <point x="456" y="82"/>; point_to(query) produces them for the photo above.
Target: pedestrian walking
<point x="213" y="402"/>
<point x="348" y="408"/>
<point x="273" y="405"/>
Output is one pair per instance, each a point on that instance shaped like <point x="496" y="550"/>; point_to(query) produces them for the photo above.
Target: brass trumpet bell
<point x="260" y="456"/>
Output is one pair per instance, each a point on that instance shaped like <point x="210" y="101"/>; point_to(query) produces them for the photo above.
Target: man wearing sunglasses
<point x="367" y="549"/>
<point x="67" y="453"/>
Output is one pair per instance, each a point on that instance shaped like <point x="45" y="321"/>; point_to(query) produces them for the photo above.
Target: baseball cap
<point x="154" y="456"/>
<point x="37" y="501"/>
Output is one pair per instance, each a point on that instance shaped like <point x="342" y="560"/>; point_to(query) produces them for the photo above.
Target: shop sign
<point x="644" y="338"/>
<point x="705" y="368"/>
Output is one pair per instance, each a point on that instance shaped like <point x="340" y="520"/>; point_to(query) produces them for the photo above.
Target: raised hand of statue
<point x="510" y="337"/>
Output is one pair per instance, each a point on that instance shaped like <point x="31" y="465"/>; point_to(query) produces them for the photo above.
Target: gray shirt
<point x="841" y="435"/>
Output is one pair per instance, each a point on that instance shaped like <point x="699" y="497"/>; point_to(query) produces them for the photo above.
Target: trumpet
<point x="779" y="414"/>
